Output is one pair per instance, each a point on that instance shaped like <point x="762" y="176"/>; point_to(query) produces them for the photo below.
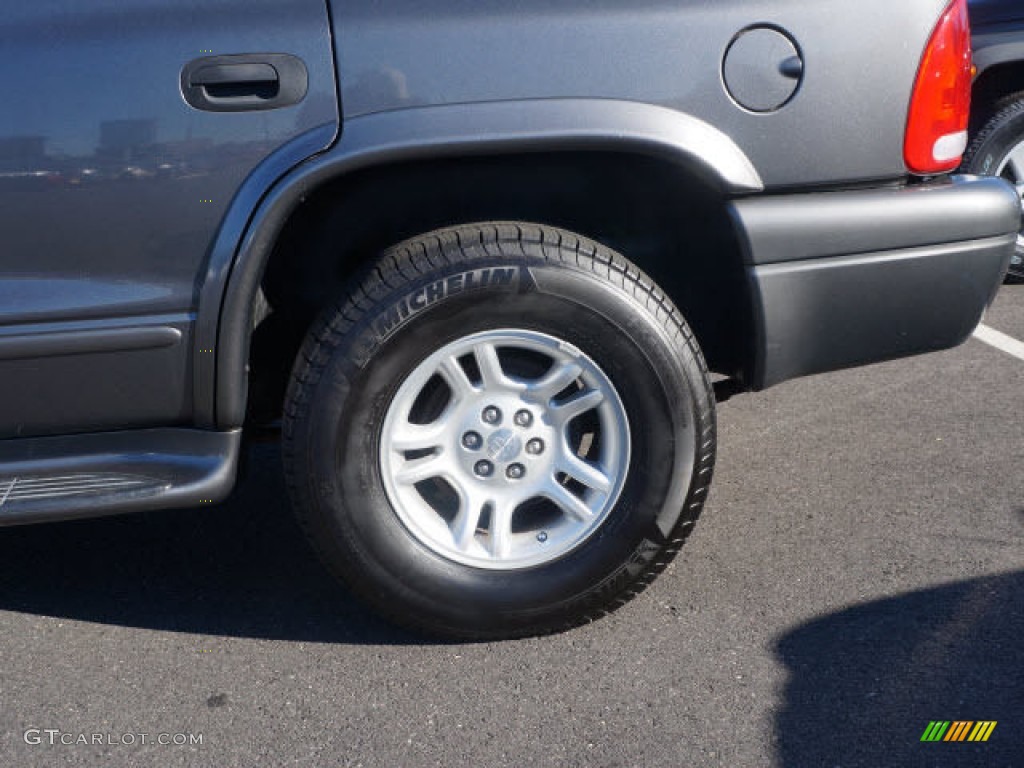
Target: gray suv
<point x="474" y="261"/>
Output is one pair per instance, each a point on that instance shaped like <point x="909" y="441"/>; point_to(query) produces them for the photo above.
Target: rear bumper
<point x="847" y="278"/>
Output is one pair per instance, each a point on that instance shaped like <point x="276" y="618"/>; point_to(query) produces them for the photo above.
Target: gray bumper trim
<point x="825" y="314"/>
<point x="810" y="226"/>
<point x="846" y="278"/>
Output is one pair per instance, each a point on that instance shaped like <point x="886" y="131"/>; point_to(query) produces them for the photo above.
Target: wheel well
<point x="669" y="221"/>
<point x="991" y="90"/>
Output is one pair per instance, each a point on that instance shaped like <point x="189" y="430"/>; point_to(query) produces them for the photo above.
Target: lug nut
<point x="542" y="536"/>
<point x="492" y="415"/>
<point x="472" y="441"/>
<point x="515" y="471"/>
<point x="484" y="468"/>
<point x="535" y="447"/>
<point x="524" y="419"/>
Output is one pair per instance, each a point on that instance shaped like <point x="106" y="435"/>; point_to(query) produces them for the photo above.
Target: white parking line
<point x="1000" y="341"/>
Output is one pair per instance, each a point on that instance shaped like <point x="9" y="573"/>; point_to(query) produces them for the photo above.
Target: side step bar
<point x="62" y="478"/>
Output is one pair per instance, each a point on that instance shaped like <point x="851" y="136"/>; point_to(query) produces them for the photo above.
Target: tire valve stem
<point x="542" y="537"/>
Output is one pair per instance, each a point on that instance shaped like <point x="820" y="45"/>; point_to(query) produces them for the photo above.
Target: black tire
<point x="361" y="349"/>
<point x="988" y="153"/>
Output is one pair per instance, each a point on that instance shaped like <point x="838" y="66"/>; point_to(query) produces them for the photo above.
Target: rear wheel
<point x="504" y="430"/>
<point x="998" y="150"/>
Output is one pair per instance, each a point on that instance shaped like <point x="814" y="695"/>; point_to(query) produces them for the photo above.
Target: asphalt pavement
<point x="858" y="574"/>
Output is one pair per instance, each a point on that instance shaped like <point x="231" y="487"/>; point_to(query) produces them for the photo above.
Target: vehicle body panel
<point x="860" y="63"/>
<point x="112" y="190"/>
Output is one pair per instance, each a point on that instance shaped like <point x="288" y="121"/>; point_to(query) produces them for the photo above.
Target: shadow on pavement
<point x="240" y="569"/>
<point x="864" y="683"/>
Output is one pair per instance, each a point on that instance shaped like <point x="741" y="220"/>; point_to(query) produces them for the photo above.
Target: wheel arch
<point x="457" y="142"/>
<point x="1000" y="74"/>
<point x="994" y="51"/>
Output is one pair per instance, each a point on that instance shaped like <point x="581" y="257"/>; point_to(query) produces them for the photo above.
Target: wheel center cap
<point x="503" y="446"/>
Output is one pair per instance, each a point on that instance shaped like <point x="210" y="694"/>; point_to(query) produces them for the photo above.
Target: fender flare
<point x="991" y="50"/>
<point x="224" y="321"/>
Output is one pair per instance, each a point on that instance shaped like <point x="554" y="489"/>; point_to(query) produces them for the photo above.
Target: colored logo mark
<point x="958" y="730"/>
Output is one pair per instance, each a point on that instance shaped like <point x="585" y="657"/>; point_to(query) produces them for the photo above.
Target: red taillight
<point x="941" y="105"/>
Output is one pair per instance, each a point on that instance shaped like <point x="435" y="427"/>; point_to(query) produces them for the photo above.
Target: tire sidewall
<point x="1001" y="134"/>
<point x="1005" y="132"/>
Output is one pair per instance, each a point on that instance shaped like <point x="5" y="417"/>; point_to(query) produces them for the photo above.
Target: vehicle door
<point x="128" y="128"/>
